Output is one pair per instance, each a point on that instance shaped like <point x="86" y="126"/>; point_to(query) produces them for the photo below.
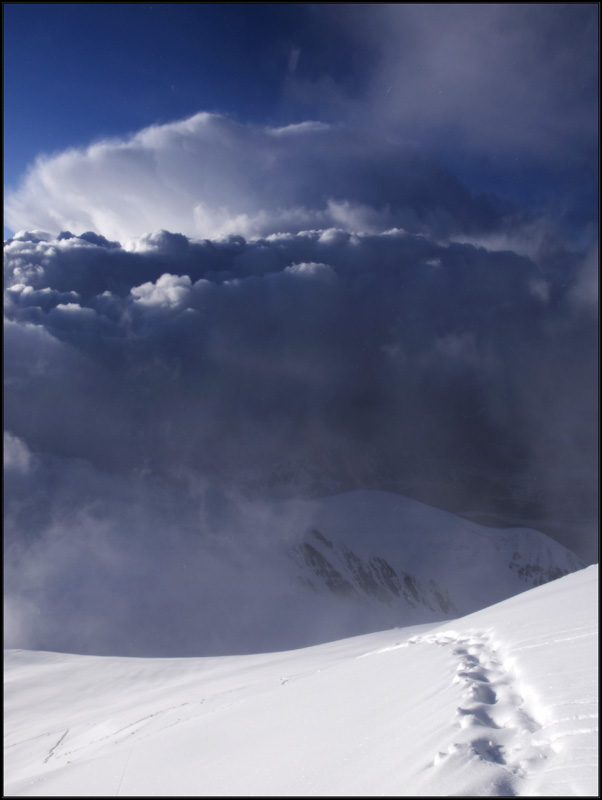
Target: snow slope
<point x="500" y="702"/>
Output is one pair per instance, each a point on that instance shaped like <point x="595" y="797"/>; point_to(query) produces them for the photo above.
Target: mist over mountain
<point x="218" y="574"/>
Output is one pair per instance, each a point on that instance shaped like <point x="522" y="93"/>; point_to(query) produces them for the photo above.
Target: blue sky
<point x="94" y="70"/>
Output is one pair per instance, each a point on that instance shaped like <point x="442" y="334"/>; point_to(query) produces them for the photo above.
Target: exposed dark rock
<point x="387" y="575"/>
<point x="324" y="570"/>
<point x="408" y="582"/>
<point x="321" y="538"/>
<point x="442" y="598"/>
<point x="364" y="577"/>
<point x="535" y="574"/>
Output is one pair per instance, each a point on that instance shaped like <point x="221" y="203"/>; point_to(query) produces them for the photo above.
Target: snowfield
<point x="500" y="702"/>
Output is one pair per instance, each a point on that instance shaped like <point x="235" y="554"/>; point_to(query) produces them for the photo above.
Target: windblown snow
<point x="500" y="702"/>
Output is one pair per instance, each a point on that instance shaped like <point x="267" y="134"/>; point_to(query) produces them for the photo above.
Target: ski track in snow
<point x="52" y="749"/>
<point x="492" y="723"/>
<point x="145" y="726"/>
<point x="132" y="729"/>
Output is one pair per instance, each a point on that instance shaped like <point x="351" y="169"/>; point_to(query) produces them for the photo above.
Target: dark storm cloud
<point x="234" y="356"/>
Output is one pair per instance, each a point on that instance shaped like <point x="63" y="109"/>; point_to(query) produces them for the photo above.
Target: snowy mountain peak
<point x="416" y="561"/>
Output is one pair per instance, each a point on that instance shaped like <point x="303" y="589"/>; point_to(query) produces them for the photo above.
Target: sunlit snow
<point x="500" y="702"/>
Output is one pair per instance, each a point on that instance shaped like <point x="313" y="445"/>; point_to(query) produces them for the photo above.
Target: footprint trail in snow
<point x="493" y="725"/>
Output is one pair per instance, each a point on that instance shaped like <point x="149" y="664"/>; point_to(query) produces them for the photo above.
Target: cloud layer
<point x="388" y="355"/>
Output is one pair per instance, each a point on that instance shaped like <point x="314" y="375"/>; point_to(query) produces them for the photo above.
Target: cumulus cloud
<point x="209" y="176"/>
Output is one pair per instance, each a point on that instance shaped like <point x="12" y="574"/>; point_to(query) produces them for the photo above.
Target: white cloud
<point x="293" y="58"/>
<point x="321" y="272"/>
<point x="170" y="291"/>
<point x="208" y="176"/>
<point x="17" y="455"/>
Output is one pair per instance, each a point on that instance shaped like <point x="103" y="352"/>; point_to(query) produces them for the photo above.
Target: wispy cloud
<point x="500" y="78"/>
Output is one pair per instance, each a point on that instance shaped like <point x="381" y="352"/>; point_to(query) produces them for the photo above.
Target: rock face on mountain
<point x="361" y="580"/>
<point x="417" y="563"/>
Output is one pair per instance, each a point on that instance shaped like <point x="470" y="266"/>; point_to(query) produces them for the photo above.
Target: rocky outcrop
<point x="327" y="567"/>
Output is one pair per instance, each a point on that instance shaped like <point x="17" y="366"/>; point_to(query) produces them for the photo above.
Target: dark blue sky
<point x="75" y="73"/>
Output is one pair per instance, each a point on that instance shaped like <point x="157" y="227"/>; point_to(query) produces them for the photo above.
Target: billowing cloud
<point x="208" y="176"/>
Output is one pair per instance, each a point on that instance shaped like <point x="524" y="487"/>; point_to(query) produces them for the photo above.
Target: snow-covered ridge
<point x="500" y="702"/>
<point x="422" y="562"/>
